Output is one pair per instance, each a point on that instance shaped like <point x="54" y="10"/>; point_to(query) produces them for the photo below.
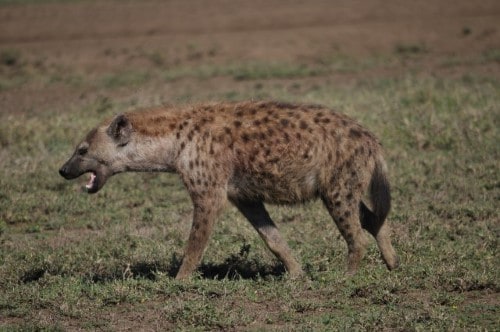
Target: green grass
<point x="69" y="260"/>
<point x="21" y="70"/>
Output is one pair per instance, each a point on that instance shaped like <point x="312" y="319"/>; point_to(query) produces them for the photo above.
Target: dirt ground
<point x="91" y="39"/>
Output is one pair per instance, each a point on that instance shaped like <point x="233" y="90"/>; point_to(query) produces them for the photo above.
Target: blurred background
<point x="56" y="54"/>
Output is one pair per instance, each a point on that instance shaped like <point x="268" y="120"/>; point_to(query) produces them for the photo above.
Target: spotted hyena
<point x="250" y="153"/>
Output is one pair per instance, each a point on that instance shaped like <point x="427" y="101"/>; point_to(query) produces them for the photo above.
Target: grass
<point x="20" y="70"/>
<point x="69" y="260"/>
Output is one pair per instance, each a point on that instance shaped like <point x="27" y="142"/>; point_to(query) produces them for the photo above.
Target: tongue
<point x="91" y="181"/>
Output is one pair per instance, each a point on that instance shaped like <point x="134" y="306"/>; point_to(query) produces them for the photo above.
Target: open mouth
<point x="92" y="184"/>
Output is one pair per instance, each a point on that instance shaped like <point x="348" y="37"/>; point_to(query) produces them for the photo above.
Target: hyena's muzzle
<point x="80" y="164"/>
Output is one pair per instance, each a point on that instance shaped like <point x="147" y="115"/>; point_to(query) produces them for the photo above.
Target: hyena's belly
<point x="284" y="188"/>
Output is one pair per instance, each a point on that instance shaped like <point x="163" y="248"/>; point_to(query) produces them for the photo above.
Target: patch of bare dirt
<point x="93" y="39"/>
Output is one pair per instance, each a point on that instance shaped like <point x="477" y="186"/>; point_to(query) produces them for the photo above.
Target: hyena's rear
<point x="250" y="153"/>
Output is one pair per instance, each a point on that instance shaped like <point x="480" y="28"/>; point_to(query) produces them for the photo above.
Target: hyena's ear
<point x="120" y="130"/>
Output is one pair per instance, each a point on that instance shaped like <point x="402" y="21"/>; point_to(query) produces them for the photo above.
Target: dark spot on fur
<point x="286" y="137"/>
<point x="253" y="111"/>
<point x="245" y="137"/>
<point x="239" y="113"/>
<point x="265" y="119"/>
<point x="303" y="125"/>
<point x="191" y="164"/>
<point x="270" y="131"/>
<point x="172" y="126"/>
<point x="227" y="130"/>
<point x="256" y="123"/>
<point x="183" y="145"/>
<point x="284" y="122"/>
<point x="330" y="156"/>
<point x="349" y="196"/>
<point x="347" y="214"/>
<point x="326" y="120"/>
<point x="338" y="203"/>
<point x="178" y="135"/>
<point x="298" y="135"/>
<point x="354" y="133"/>
<point x="237" y="123"/>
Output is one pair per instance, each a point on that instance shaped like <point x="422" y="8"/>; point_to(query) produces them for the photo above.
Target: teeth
<point x="91" y="181"/>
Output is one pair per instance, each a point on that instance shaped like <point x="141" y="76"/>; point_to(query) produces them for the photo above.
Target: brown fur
<point x="252" y="153"/>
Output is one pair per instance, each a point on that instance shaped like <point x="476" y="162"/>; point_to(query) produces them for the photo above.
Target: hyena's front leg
<point x="206" y="209"/>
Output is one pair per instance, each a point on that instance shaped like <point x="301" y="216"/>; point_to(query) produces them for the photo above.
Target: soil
<point x="91" y="39"/>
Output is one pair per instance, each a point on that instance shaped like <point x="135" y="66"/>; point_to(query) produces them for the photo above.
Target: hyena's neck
<point x="155" y="144"/>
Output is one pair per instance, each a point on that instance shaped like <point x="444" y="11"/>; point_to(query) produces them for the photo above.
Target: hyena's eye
<point x="83" y="150"/>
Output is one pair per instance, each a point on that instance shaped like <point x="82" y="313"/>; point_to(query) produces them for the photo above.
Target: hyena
<point x="250" y="153"/>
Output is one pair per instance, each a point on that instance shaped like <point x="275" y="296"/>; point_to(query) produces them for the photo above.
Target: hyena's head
<point x="101" y="153"/>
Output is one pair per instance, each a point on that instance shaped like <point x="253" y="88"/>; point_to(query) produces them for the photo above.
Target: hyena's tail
<point x="380" y="197"/>
<point x="373" y="222"/>
<point x="380" y="190"/>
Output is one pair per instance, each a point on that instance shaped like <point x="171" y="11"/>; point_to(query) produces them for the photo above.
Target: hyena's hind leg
<point x="344" y="211"/>
<point x="256" y="213"/>
<point x="381" y="233"/>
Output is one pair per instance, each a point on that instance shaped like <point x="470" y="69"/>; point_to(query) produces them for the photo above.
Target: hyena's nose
<point x="63" y="171"/>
